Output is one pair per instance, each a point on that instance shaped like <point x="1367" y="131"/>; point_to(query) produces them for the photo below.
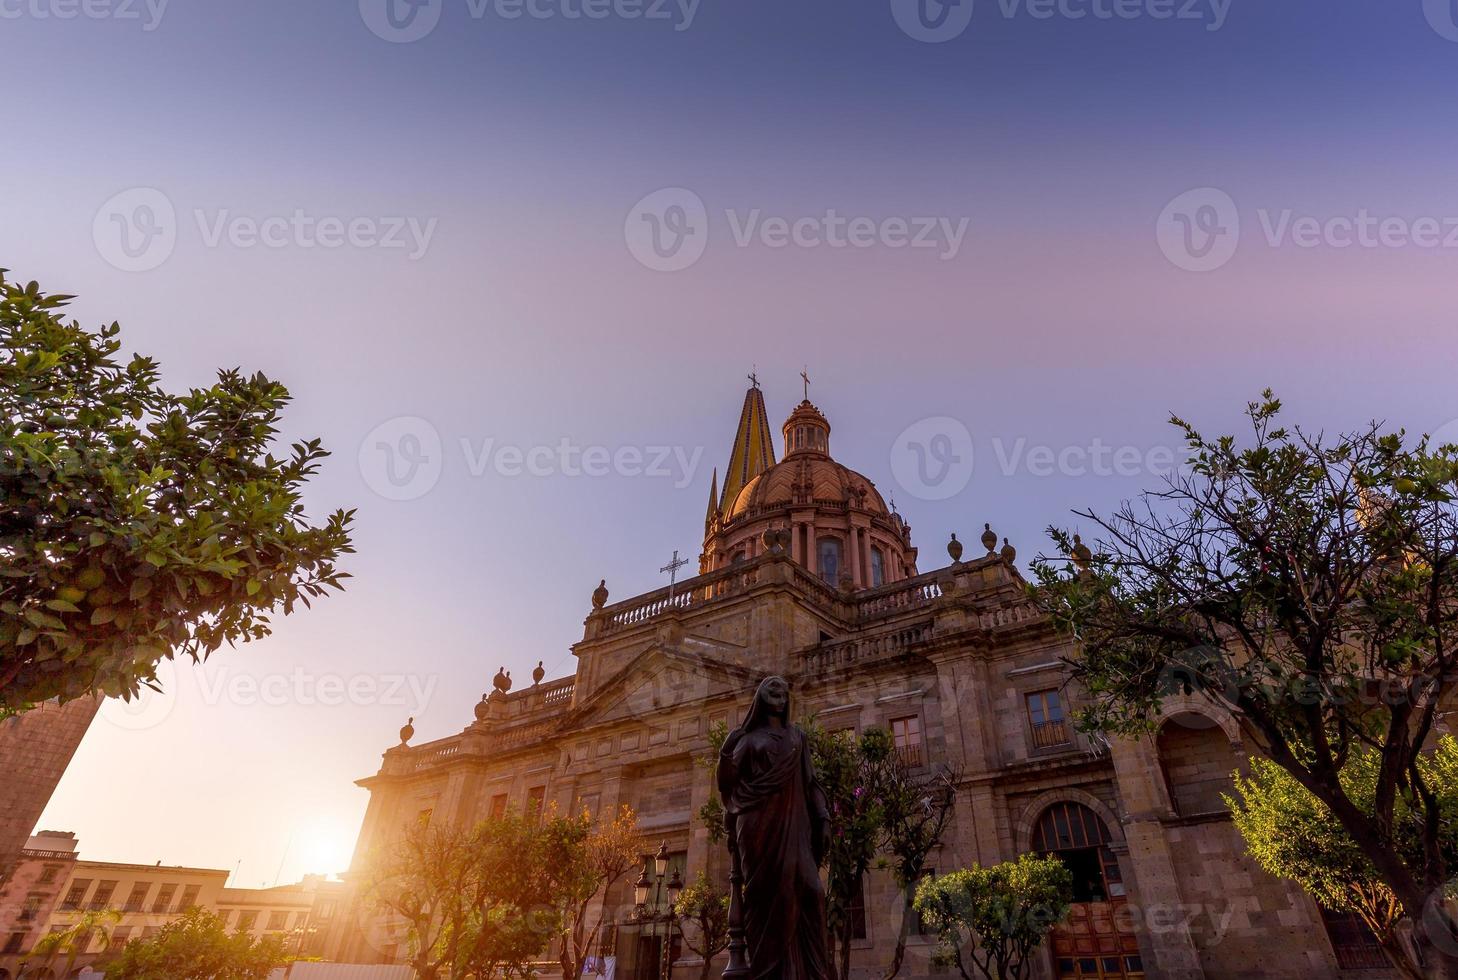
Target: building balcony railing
<point x="911" y="755"/>
<point x="688" y="594"/>
<point x="1050" y="734"/>
<point x="842" y="654"/>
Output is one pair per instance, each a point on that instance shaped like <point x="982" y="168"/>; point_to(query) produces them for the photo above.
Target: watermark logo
<point x="935" y="21"/>
<point x="135" y="230"/>
<point x="668" y="230"/>
<point x="932" y="21"/>
<point x="400" y="21"/>
<point x="1199" y="230"/>
<point x="932" y="459"/>
<point x="149" y="708"/>
<point x="401" y="459"/>
<point x="1442" y="17"/>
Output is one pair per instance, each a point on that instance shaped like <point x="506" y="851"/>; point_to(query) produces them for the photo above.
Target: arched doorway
<point x="1097" y="940"/>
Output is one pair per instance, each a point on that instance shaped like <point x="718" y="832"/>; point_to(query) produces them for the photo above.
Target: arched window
<point x="828" y="550"/>
<point x="1080" y="838"/>
<point x="878" y="567"/>
<point x="738" y="557"/>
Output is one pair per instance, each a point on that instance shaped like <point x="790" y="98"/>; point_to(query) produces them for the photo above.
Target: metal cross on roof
<point x="672" y="569"/>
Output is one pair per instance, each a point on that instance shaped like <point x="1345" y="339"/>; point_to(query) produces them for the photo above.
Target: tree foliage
<point x="995" y="917"/>
<point x="915" y="809"/>
<point x="137" y="524"/>
<point x="847" y="768"/>
<point x="490" y="899"/>
<point x="1292" y="834"/>
<point x="197" y="946"/>
<point x="702" y="913"/>
<point x="67" y="944"/>
<point x="1309" y="586"/>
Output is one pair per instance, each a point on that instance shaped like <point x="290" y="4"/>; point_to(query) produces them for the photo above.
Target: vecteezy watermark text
<point x="403" y="21"/>
<point x="1200" y="230"/>
<point x="147" y="12"/>
<point x="668" y="230"/>
<point x="404" y="458"/>
<point x="935" y="21"/>
<point x="137" y="230"/>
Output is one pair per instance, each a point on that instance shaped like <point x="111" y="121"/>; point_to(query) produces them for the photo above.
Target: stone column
<point x="1154" y="887"/>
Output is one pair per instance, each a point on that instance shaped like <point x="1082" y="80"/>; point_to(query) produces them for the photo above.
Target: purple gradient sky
<point x="528" y="320"/>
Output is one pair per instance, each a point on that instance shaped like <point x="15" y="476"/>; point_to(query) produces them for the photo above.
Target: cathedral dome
<point x="805" y="478"/>
<point x="835" y="521"/>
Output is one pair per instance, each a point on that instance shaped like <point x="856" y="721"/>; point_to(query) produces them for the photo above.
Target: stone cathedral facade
<point x="806" y="572"/>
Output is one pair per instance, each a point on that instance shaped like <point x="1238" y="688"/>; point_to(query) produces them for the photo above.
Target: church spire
<point x="713" y="510"/>
<point x="754" y="449"/>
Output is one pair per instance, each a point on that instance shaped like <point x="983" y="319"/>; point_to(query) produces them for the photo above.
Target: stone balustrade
<point x="688" y="594"/>
<point x="858" y="651"/>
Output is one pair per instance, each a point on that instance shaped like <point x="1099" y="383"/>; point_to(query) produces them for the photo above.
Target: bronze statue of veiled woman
<point x="778" y="827"/>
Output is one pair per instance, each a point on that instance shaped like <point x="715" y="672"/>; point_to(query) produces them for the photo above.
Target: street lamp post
<point x="658" y="885"/>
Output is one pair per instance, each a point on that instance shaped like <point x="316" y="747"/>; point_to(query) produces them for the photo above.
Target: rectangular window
<point x="1355" y="946"/>
<point x="1045" y="719"/>
<point x="120" y="937"/>
<point x="498" y="806"/>
<point x="536" y="797"/>
<point x="277" y="920"/>
<point x="246" y="920"/>
<point x="906" y="733"/>
<point x="12" y="945"/>
<point x="76" y="895"/>
<point x="189" y="897"/>
<point x="164" y="899"/>
<point x="31" y="909"/>
<point x="101" y="898"/>
<point x="224" y="915"/>
<point x="138" y="896"/>
<point x="48" y="874"/>
<point x="856" y="911"/>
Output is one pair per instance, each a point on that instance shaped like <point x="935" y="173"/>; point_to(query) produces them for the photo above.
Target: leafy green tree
<point x="846" y="766"/>
<point x="427" y="878"/>
<point x="137" y="524"/>
<point x="995" y="917"/>
<point x="73" y="941"/>
<point x="1292" y="834"/>
<point x="915" y="809"/>
<point x="197" y="946"/>
<point x="587" y="858"/>
<point x="1309" y="586"/>
<point x="702" y="913"/>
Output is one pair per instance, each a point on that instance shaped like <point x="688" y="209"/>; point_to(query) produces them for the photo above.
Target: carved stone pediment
<point x="658" y="680"/>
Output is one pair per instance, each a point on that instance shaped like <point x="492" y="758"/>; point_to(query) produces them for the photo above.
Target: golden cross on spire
<point x="805" y="376"/>
<point x="754" y="376"/>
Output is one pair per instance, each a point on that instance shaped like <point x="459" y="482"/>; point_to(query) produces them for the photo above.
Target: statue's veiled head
<point x="772" y="700"/>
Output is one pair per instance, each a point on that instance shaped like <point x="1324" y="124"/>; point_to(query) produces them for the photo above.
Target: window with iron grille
<point x="102" y="897"/>
<point x="138" y="896"/>
<point x="1045" y="718"/>
<point x="164" y="898"/>
<point x="906" y="734"/>
<point x="189" y="897"/>
<point x="77" y="894"/>
<point x="277" y="920"/>
<point x="1355" y="946"/>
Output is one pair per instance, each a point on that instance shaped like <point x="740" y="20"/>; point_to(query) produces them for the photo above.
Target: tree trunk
<point x="1436" y="938"/>
<point x="708" y="960"/>
<point x="845" y="954"/>
<point x="897" y="958"/>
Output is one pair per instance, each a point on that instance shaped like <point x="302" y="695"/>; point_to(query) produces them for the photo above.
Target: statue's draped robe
<point x="769" y="787"/>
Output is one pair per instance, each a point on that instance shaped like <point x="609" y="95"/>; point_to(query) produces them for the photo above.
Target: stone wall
<point x="35" y="748"/>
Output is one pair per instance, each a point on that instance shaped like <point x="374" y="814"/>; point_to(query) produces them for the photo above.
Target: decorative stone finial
<point x="600" y="595"/>
<point x="506" y="686"/>
<point x="989" y="539"/>
<point x="954" y="548"/>
<point x="408" y="732"/>
<point x="483" y="709"/>
<point x="847" y="582"/>
<point x="538" y="674"/>
<point x="1082" y="556"/>
<point x="499" y="681"/>
<point x="1009" y="553"/>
